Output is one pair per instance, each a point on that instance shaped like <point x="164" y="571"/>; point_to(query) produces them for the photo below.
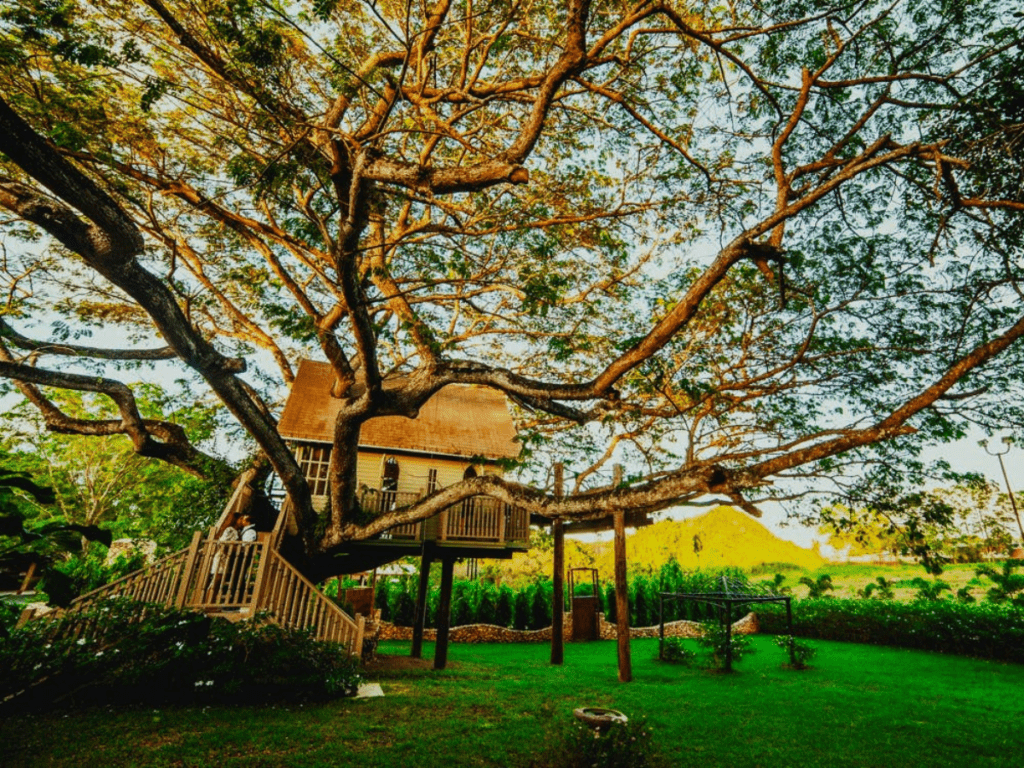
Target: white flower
<point x="80" y="641"/>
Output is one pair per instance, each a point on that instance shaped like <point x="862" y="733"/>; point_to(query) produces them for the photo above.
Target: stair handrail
<point x="147" y="572"/>
<point x="294" y="602"/>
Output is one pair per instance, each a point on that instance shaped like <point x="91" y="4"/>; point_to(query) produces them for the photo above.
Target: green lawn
<point x="859" y="706"/>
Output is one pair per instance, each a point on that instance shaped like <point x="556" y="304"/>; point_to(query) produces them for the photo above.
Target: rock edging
<point x="490" y="633"/>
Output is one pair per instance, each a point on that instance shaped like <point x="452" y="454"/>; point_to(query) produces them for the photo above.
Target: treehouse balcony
<point x="478" y="522"/>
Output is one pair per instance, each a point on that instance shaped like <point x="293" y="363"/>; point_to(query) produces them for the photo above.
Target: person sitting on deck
<point x="229" y="533"/>
<point x="248" y="528"/>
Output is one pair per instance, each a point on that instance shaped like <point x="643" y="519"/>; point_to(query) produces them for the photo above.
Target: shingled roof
<point x="460" y="420"/>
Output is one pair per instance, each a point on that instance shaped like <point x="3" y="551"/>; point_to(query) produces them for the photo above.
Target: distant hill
<point x="728" y="536"/>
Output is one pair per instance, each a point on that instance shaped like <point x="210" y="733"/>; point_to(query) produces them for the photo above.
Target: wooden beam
<point x="420" y="614"/>
<point x="444" y="613"/>
<point x="621" y="590"/>
<point x="557" y="580"/>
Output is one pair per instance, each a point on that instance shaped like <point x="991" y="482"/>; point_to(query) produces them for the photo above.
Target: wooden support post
<point x="420" y="615"/>
<point x="557" y="581"/>
<point x="621" y="589"/>
<point x="185" y="596"/>
<point x="28" y="578"/>
<point x="622" y="598"/>
<point x="444" y="613"/>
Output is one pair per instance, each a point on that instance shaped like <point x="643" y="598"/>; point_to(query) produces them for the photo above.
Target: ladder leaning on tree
<point x="234" y="580"/>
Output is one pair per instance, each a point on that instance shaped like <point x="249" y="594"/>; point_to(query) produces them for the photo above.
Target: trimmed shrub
<point x="463" y="610"/>
<point x="609" y="604"/>
<point x="380" y="600"/>
<point x="504" y="611"/>
<point x="487" y="608"/>
<point x="403" y="605"/>
<point x="168" y="656"/>
<point x="540" y="605"/>
<point x="984" y="630"/>
<point x="522" y="610"/>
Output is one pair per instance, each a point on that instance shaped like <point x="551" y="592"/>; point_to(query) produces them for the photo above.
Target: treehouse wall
<point x="414" y="472"/>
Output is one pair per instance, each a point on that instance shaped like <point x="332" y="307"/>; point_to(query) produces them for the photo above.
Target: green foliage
<point x="816" y="588"/>
<point x="83" y="573"/>
<point x="717" y="640"/>
<point x="150" y="654"/>
<point x="622" y="745"/>
<point x="675" y="652"/>
<point x="930" y="590"/>
<point x="10" y="610"/>
<point x="964" y="595"/>
<point x="881" y="589"/>
<point x="504" y="610"/>
<point x="641" y="609"/>
<point x="1009" y="585"/>
<point x="986" y="630"/>
<point x="101" y="481"/>
<point x="463" y="607"/>
<point x="487" y="606"/>
<point x="799" y="653"/>
<point x="403" y="605"/>
<point x="522" y="611"/>
<point x="610" y="610"/>
<point x="540" y="605"/>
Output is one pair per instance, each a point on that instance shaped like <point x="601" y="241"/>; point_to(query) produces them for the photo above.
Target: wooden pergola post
<point x="557" y="580"/>
<point x="444" y="612"/>
<point x="420" y="614"/>
<point x="621" y="588"/>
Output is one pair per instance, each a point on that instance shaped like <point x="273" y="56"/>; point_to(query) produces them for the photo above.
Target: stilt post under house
<point x="444" y="612"/>
<point x="420" y="612"/>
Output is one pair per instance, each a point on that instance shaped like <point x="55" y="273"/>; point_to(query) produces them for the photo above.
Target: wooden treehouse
<point x="462" y="431"/>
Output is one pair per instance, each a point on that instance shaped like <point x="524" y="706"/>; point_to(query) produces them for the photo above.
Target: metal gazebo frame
<point x="723" y="593"/>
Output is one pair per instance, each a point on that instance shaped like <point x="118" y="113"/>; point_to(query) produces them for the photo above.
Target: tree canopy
<point x="744" y="248"/>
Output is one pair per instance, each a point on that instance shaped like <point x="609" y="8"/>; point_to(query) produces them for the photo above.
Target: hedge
<point x="984" y="630"/>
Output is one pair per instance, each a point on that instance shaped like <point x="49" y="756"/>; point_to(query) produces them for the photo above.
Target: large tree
<point x="742" y="248"/>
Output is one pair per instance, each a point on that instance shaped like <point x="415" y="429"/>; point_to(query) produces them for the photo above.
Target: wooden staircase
<point x="236" y="580"/>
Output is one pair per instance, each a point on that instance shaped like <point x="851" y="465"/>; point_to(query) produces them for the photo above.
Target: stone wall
<point x="488" y="633"/>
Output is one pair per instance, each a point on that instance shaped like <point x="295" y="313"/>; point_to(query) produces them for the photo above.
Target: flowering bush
<point x="718" y="641"/>
<point x="985" y="630"/>
<point x="113" y="653"/>
<point x="674" y="652"/>
<point x="799" y="653"/>
<point x="622" y="745"/>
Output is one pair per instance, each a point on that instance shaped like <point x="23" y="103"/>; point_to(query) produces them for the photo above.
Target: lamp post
<point x="1007" y="441"/>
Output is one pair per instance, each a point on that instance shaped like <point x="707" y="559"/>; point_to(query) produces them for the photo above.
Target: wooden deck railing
<point x="232" y="578"/>
<point x="482" y="518"/>
<point x="165" y="582"/>
<point x="478" y="518"/>
<point x="376" y="502"/>
<point x="295" y="603"/>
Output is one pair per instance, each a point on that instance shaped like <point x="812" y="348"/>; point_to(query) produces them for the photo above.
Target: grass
<point x="498" y="704"/>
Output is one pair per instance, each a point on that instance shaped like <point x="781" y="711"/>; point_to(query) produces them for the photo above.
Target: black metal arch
<point x="724" y="593"/>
